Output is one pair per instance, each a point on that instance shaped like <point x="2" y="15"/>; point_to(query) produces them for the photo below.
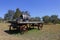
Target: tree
<point x="54" y="19"/>
<point x="17" y="13"/>
<point x="37" y="19"/>
<point x="46" y="19"/>
<point x="31" y="19"/>
<point x="6" y="17"/>
<point x="58" y="21"/>
<point x="9" y="15"/>
<point x="1" y="19"/>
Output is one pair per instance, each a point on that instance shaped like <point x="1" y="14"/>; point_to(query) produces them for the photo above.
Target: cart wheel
<point x="41" y="25"/>
<point x="21" y="30"/>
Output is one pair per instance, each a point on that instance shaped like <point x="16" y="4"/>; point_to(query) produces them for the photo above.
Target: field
<point x="49" y="32"/>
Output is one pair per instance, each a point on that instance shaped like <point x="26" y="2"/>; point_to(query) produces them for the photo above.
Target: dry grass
<point x="49" y="32"/>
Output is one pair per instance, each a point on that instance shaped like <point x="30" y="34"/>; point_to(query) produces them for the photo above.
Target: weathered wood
<point x="23" y="26"/>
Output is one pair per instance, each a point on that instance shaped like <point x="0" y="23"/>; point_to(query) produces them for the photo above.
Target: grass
<point x="49" y="32"/>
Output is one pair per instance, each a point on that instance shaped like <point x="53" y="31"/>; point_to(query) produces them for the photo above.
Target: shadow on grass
<point x="12" y="31"/>
<point x="17" y="31"/>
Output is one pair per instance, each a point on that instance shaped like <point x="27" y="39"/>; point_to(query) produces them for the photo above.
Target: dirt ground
<point x="49" y="32"/>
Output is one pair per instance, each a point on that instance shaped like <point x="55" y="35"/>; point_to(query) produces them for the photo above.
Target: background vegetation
<point x="11" y="15"/>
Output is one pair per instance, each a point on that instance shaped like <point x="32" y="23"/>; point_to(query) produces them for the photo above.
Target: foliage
<point x="51" y="19"/>
<point x="17" y="13"/>
<point x="35" y="19"/>
<point x="54" y="19"/>
<point x="46" y="19"/>
<point x="9" y="15"/>
<point x="1" y="19"/>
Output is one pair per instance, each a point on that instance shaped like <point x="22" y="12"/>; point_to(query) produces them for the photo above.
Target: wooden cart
<point x="23" y="26"/>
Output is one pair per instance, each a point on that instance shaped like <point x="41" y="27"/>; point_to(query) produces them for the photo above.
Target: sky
<point x="37" y="8"/>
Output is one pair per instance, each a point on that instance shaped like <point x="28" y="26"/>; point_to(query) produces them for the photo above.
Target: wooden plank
<point x="31" y="22"/>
